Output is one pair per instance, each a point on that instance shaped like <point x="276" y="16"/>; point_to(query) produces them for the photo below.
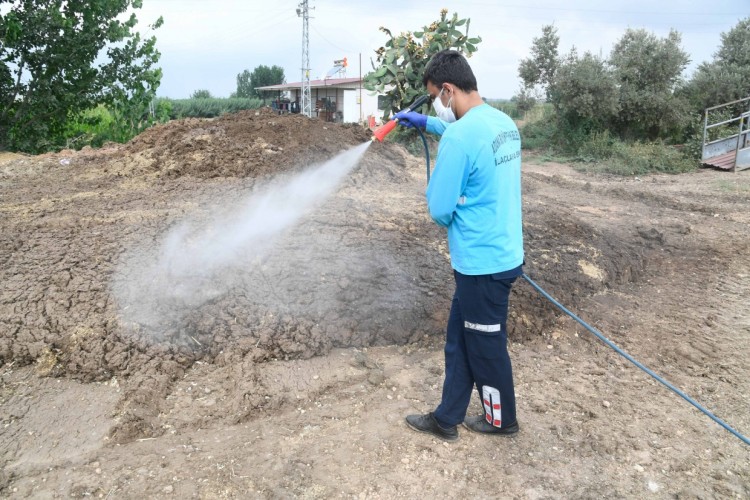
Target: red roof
<point x="313" y="84"/>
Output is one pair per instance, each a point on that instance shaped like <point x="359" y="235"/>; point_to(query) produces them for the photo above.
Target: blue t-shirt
<point x="475" y="190"/>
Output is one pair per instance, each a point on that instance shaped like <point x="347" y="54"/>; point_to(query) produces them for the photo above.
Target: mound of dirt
<point x="252" y="143"/>
<point x="366" y="267"/>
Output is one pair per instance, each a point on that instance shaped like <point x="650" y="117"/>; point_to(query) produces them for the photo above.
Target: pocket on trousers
<point x="500" y="277"/>
<point x="483" y="345"/>
<point x="498" y="289"/>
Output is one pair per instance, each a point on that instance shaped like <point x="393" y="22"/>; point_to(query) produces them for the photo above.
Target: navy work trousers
<point x="476" y="351"/>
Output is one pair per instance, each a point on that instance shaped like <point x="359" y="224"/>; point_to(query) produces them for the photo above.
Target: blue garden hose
<point x="635" y="362"/>
<point x="426" y="152"/>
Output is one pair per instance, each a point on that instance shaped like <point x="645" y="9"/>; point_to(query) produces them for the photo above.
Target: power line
<point x="330" y="42"/>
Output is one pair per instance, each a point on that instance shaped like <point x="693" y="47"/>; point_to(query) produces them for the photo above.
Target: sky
<point x="206" y="44"/>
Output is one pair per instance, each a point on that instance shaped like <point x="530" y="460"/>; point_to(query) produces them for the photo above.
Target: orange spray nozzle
<point x="386" y="129"/>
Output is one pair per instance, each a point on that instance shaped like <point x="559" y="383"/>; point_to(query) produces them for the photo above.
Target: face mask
<point x="445" y="113"/>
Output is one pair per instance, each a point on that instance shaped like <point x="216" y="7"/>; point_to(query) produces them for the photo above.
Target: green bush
<point x="207" y="108"/>
<point x="93" y="127"/>
<point x="599" y="146"/>
<point x="96" y="126"/>
<point x="607" y="155"/>
<point x="89" y="128"/>
<point x="693" y="140"/>
<point x="601" y="151"/>
<point x="538" y="134"/>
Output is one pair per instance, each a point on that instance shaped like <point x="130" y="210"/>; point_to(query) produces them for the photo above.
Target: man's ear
<point x="453" y="89"/>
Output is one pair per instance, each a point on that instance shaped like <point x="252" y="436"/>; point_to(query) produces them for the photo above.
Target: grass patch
<point x="612" y="156"/>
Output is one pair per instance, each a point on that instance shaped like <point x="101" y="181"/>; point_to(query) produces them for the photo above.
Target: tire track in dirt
<point x="730" y="328"/>
<point x="686" y="318"/>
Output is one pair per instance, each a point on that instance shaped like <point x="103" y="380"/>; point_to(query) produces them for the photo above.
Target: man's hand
<point x="411" y="119"/>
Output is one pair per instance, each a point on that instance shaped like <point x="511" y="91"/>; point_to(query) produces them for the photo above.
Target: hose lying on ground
<point x="609" y="342"/>
<point x="634" y="361"/>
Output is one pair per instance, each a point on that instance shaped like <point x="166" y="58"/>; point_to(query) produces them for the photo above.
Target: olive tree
<point x="727" y="77"/>
<point x="539" y="69"/>
<point x="648" y="70"/>
<point x="584" y="92"/>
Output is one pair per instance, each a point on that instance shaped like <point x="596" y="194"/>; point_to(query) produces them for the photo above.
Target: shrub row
<point x="205" y="108"/>
<point x="603" y="152"/>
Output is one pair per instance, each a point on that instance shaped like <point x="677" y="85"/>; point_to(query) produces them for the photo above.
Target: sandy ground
<point x="294" y="381"/>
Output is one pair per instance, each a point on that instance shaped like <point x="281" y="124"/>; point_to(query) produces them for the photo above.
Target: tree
<point x="648" y="70"/>
<point x="735" y="45"/>
<point x="727" y="77"/>
<point x="244" y="88"/>
<point x="201" y="94"/>
<point x="584" y="94"/>
<point x="402" y="60"/>
<point x="58" y="58"/>
<point x="261" y="76"/>
<point x="525" y="102"/>
<point x="539" y="69"/>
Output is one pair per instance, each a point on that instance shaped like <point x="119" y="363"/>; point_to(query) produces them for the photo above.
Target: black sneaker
<point x="427" y="423"/>
<point x="479" y="424"/>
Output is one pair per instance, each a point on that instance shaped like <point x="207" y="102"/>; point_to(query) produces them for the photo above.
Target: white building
<point x="342" y="100"/>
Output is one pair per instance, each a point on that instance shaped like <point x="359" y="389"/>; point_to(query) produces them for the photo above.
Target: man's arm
<point x="432" y="124"/>
<point x="435" y="125"/>
<point x="447" y="182"/>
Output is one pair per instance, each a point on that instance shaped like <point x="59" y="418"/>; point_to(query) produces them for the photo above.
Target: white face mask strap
<point x="445" y="113"/>
<point x="442" y="89"/>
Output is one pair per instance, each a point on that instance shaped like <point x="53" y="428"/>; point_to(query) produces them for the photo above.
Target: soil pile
<point x="366" y="267"/>
<point x="252" y="143"/>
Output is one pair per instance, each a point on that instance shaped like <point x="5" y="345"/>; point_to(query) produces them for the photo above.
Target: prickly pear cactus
<point x="400" y="63"/>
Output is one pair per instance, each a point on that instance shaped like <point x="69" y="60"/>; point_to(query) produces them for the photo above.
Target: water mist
<point x="196" y="262"/>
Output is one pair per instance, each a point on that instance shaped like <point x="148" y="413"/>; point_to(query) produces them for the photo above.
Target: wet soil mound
<point x="366" y="267"/>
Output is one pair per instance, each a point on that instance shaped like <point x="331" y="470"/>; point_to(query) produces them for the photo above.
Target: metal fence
<point x="726" y="142"/>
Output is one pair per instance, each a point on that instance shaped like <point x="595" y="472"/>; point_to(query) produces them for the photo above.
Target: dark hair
<point x="448" y="66"/>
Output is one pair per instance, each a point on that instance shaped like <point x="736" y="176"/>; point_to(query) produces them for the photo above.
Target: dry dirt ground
<point x="293" y="380"/>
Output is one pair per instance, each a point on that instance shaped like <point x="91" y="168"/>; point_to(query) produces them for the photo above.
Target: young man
<point x="475" y="192"/>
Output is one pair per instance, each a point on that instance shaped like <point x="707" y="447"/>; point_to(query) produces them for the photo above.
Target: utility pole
<point x="304" y="13"/>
